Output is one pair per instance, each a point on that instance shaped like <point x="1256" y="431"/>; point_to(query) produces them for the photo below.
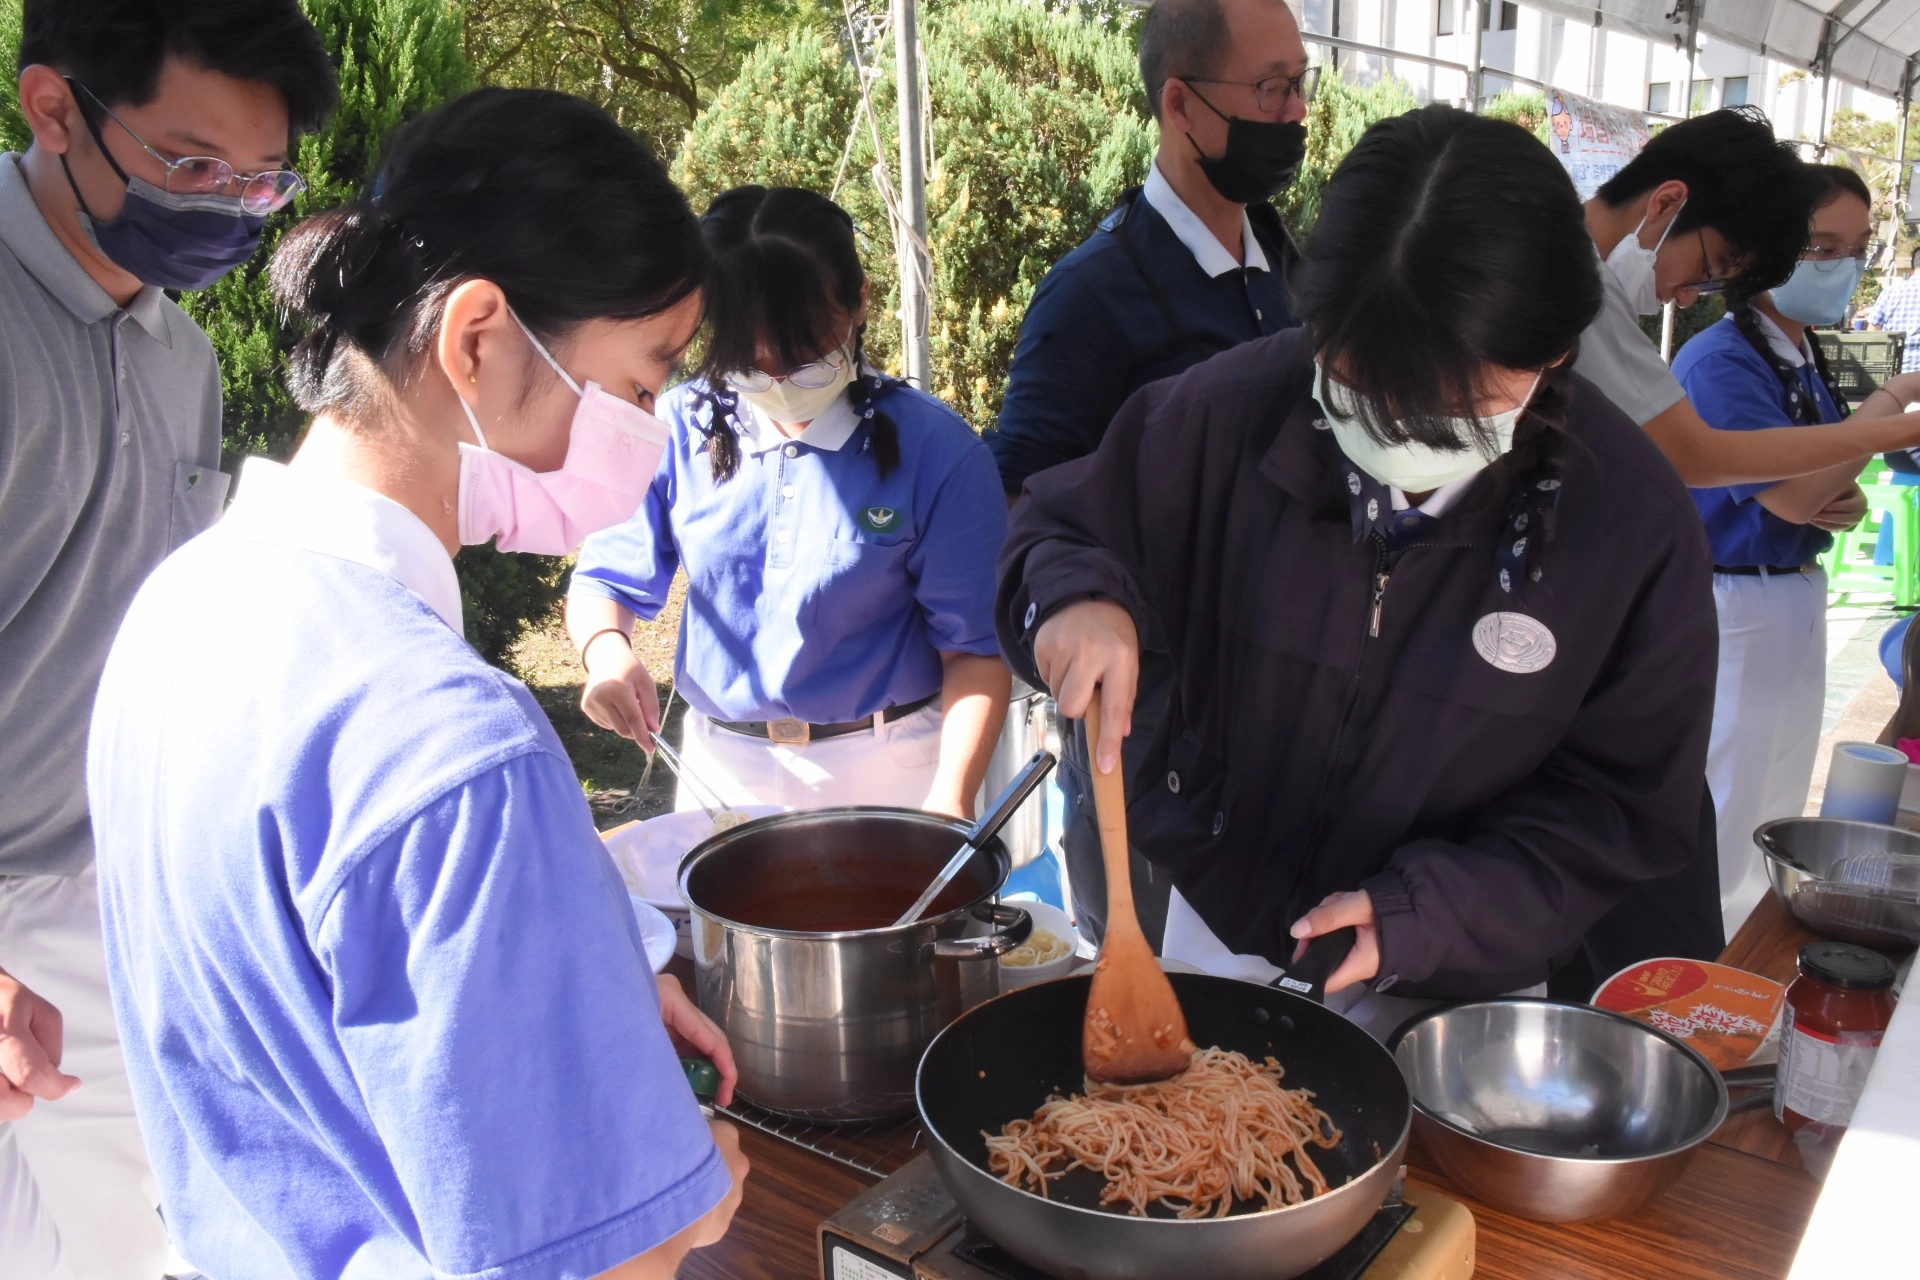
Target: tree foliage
<point x="1037" y="125"/>
<point x="13" y="128"/>
<point x="1339" y="114"/>
<point x="651" y="63"/>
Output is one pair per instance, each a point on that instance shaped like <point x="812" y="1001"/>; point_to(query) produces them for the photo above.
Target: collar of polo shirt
<point x="1783" y="346"/>
<point x="25" y="231"/>
<point x="1207" y="251"/>
<point x="833" y="428"/>
<point x="282" y="506"/>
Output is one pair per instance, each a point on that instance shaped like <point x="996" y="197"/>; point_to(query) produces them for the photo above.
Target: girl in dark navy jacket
<point x="1440" y="611"/>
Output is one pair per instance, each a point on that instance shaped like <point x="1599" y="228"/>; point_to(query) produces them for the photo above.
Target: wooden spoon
<point x="1134" y="1031"/>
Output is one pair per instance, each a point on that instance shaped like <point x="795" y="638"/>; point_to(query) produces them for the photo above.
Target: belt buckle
<point x="789" y="732"/>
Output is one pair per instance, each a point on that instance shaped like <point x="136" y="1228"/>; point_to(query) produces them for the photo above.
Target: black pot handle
<point x="1012" y="926"/>
<point x="1308" y="975"/>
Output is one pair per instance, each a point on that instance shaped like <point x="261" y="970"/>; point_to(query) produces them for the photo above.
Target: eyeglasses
<point x="810" y="376"/>
<point x="1829" y="256"/>
<point x="1272" y="93"/>
<point x="1713" y="283"/>
<point x="260" y="193"/>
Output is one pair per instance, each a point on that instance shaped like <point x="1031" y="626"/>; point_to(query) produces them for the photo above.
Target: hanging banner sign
<point x="1593" y="140"/>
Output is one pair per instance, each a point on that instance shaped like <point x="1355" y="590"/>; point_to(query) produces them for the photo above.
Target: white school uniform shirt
<point x="1207" y="251"/>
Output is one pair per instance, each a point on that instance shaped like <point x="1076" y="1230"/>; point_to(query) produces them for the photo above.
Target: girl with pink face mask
<point x="838" y="530"/>
<point x="346" y="869"/>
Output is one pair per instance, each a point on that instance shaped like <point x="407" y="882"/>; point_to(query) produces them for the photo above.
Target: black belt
<point x="799" y="732"/>
<point x="1766" y="570"/>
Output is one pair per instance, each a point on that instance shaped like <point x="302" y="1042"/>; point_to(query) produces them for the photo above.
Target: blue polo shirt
<point x="816" y="588"/>
<point x="1734" y="388"/>
<point x="384" y="1006"/>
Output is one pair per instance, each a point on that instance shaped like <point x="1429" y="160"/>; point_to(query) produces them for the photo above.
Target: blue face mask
<point x="169" y="240"/>
<point x="1818" y="292"/>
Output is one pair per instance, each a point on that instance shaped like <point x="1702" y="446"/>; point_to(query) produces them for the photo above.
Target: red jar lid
<point x="1843" y="965"/>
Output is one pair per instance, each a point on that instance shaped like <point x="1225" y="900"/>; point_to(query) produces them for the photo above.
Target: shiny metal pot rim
<point x="1693" y="1140"/>
<point x="717" y="843"/>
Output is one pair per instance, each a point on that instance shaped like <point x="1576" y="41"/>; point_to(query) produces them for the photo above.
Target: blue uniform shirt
<point x="385" y="1009"/>
<point x="1734" y="388"/>
<point x="1140" y="299"/>
<point x="816" y="589"/>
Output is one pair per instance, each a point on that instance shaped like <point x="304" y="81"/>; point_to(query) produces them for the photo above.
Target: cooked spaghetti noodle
<point x="1218" y="1132"/>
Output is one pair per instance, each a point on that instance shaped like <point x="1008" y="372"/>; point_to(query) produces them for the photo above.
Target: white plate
<point x="656" y="933"/>
<point x="648" y="853"/>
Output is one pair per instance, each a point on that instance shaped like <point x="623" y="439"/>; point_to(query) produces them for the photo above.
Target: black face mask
<point x="1260" y="160"/>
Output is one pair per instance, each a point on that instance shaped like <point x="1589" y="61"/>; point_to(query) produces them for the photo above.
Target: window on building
<point x="1658" y="98"/>
<point x="1443" y="17"/>
<point x="1734" y="93"/>
<point x="1509" y="14"/>
<point x="1702" y="90"/>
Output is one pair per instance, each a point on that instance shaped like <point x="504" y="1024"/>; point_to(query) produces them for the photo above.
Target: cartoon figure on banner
<point x="1560" y="120"/>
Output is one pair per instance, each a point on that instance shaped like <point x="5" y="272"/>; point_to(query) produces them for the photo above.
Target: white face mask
<point x="1413" y="468"/>
<point x="1632" y="263"/>
<point x="784" y="402"/>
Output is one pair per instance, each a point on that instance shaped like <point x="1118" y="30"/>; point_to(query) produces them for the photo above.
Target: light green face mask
<point x="1411" y="467"/>
<point x="785" y="402"/>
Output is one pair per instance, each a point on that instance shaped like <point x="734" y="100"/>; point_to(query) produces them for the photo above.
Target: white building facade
<point x="1611" y="66"/>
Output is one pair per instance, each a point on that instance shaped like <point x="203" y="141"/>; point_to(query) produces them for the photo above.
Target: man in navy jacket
<point x="1186" y="266"/>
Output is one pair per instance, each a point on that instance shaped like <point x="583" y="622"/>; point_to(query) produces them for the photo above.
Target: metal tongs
<point x="718" y="810"/>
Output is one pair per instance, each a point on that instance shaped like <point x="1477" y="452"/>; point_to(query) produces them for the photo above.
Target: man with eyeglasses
<point x="1189" y="264"/>
<point x="161" y="142"/>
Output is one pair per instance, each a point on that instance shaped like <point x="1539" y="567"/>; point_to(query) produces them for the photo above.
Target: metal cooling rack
<point x="873" y="1147"/>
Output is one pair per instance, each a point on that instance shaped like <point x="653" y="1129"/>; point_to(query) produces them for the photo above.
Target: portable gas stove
<point x="908" y="1228"/>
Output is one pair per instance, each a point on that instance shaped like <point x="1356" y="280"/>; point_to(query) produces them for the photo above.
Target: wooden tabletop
<point x="1737" y="1213"/>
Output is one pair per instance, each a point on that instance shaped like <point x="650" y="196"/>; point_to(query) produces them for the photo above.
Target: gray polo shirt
<point x="109" y="459"/>
<point x="1616" y="356"/>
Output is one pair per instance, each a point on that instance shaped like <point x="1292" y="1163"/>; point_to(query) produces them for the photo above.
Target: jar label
<point x="1821" y="1074"/>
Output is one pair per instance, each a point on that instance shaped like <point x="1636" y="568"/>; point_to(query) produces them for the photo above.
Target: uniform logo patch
<point x="1514" y="642"/>
<point x="879" y="519"/>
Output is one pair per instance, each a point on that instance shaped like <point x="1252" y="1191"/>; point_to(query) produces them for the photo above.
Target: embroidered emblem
<point x="1373" y="508"/>
<point x="1514" y="642"/>
<point x="879" y="519"/>
<point x="1353" y="484"/>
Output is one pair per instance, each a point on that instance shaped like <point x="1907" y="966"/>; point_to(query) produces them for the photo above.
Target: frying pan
<point x="1002" y="1059"/>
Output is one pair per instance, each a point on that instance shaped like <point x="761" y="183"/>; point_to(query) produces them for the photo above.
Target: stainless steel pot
<point x="826" y="1007"/>
<point x="1028" y="728"/>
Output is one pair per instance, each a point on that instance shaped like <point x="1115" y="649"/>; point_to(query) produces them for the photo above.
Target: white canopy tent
<point x="1870" y="43"/>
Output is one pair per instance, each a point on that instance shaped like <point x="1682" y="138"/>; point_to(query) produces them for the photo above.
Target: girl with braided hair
<point x="838" y="529"/>
<point x="1754" y="368"/>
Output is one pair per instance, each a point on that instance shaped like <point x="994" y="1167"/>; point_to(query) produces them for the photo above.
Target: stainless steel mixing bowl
<point x="1804" y="863"/>
<point x="1557" y="1112"/>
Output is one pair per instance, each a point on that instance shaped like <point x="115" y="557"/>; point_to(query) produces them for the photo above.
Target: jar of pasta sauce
<point x="1837" y="1010"/>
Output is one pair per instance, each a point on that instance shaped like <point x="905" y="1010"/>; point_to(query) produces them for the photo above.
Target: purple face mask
<point x="175" y="241"/>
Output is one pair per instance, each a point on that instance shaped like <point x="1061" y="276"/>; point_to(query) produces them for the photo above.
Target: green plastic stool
<point x="1849" y="564"/>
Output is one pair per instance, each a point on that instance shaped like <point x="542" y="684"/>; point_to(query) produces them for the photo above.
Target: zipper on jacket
<point x="1382" y="575"/>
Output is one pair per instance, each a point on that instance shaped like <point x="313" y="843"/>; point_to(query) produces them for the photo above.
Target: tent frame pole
<point x="915" y="270"/>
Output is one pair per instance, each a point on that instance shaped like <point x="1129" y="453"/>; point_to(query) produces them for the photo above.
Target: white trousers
<point x="1190" y="941"/>
<point x="1767" y="708"/>
<point x="892" y="764"/>
<point x="76" y="1197"/>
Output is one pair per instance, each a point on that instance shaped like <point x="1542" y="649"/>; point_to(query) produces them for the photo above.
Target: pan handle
<point x="1308" y="975"/>
<point x="1012" y="927"/>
